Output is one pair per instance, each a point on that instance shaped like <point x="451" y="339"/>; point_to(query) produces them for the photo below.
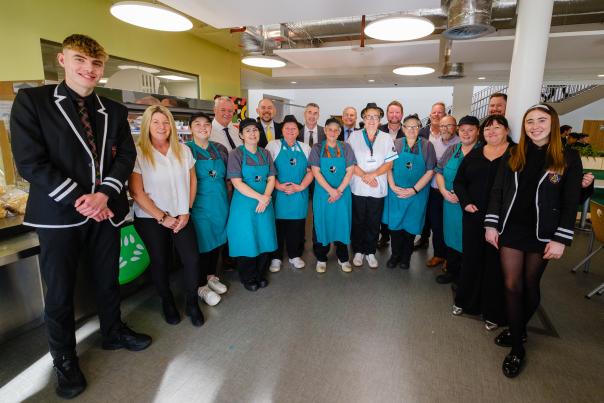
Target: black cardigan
<point x="556" y="199"/>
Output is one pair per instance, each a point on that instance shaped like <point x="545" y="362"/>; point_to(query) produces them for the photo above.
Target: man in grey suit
<point x="312" y="133"/>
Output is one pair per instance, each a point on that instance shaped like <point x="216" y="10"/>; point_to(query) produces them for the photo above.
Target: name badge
<point x="371" y="160"/>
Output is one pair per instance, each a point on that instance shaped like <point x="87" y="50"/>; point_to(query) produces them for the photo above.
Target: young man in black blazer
<point x="76" y="151"/>
<point x="266" y="112"/>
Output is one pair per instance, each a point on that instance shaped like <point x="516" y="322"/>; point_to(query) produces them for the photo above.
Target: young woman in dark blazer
<point x="530" y="219"/>
<point x="480" y="285"/>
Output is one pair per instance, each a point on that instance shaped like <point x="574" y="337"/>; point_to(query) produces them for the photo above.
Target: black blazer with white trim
<point x="52" y="154"/>
<point x="556" y="199"/>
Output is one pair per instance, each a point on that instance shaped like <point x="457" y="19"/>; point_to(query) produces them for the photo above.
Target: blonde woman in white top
<point x="163" y="186"/>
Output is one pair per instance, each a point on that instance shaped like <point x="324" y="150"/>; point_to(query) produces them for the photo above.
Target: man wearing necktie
<point x="270" y="130"/>
<point x="223" y="131"/>
<point x="349" y="120"/>
<point x="311" y="133"/>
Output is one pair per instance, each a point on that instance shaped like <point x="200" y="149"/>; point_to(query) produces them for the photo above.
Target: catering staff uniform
<point x="227" y="136"/>
<point x="291" y="164"/>
<point x="367" y="201"/>
<point x="332" y="221"/>
<point x="312" y="136"/>
<point x="63" y="159"/>
<point x="452" y="217"/>
<point x="269" y="132"/>
<point x="480" y="285"/>
<point x="405" y="216"/>
<point x="434" y="214"/>
<point x="252" y="236"/>
<point x="211" y="206"/>
<point x="384" y="232"/>
<point x="167" y="183"/>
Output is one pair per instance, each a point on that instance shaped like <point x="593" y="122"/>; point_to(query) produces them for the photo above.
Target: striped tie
<point x="85" y="119"/>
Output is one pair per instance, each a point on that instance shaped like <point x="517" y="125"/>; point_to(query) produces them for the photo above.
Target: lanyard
<point x="418" y="143"/>
<point x="329" y="153"/>
<point x="369" y="143"/>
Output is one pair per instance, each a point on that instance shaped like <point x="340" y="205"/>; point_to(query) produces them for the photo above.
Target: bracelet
<point x="414" y="189"/>
<point x="163" y="217"/>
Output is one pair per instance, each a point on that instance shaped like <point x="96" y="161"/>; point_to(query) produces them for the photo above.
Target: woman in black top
<point x="530" y="218"/>
<point x="480" y="286"/>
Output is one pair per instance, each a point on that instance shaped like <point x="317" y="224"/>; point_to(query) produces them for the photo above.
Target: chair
<point x="597" y="223"/>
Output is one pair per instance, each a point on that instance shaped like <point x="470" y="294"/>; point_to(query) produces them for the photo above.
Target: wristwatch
<point x="161" y="220"/>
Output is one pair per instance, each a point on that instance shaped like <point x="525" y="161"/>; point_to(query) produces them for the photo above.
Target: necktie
<point x="310" y="140"/>
<point x="269" y="133"/>
<point x="347" y="134"/>
<point x="85" y="119"/>
<point x="228" y="136"/>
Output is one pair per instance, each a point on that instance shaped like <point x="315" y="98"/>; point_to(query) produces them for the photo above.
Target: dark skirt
<point x="522" y="238"/>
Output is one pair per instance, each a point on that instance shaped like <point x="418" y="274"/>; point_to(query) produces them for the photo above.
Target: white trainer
<point x="456" y="310"/>
<point x="490" y="326"/>
<point x="216" y="286"/>
<point x="275" y="265"/>
<point x="372" y="261"/>
<point x="297" y="263"/>
<point x="346" y="267"/>
<point x="321" y="267"/>
<point x="209" y="296"/>
<point x="358" y="259"/>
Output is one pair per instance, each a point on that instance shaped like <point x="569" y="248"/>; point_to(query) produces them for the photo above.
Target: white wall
<point x="593" y="111"/>
<point x="333" y="100"/>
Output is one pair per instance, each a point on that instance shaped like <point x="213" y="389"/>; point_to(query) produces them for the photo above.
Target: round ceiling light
<point x="150" y="70"/>
<point x="151" y="16"/>
<point x="263" y="61"/>
<point x="413" y="71"/>
<point x="403" y="28"/>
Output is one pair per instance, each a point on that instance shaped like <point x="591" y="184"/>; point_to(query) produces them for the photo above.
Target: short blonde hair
<point x="86" y="45"/>
<point x="144" y="140"/>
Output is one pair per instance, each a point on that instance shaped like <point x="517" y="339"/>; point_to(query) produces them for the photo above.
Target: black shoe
<point x="171" y="314"/>
<point x="421" y="244"/>
<point x="192" y="310"/>
<point x="403" y="265"/>
<point x="124" y="337"/>
<point x="393" y="261"/>
<point x="512" y="365"/>
<point x="251" y="286"/>
<point x="383" y="243"/>
<point x="504" y="339"/>
<point x="262" y="283"/>
<point x="70" y="379"/>
<point x="445" y="278"/>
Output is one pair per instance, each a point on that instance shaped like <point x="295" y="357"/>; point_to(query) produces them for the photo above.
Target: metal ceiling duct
<point x="468" y="19"/>
<point x="449" y="70"/>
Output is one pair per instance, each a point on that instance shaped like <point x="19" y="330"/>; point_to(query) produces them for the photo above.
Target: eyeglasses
<point x="372" y="117"/>
<point x="449" y="126"/>
<point x="411" y="127"/>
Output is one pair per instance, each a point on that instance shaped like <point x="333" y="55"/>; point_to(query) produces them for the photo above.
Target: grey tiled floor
<point x="368" y="336"/>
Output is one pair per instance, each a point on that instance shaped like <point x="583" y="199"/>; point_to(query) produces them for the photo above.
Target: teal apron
<point x="250" y="233"/>
<point x="292" y="165"/>
<point x="211" y="206"/>
<point x="452" y="214"/>
<point x="332" y="221"/>
<point x="407" y="214"/>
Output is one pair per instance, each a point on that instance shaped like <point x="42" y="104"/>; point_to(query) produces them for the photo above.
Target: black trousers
<point x="160" y="242"/>
<point x="321" y="250"/>
<point x="290" y="232"/>
<point x="384" y="232"/>
<point x="252" y="269"/>
<point x="60" y="253"/>
<point x="402" y="245"/>
<point x="208" y="262"/>
<point x="453" y="263"/>
<point x="366" y="219"/>
<point x="434" y="222"/>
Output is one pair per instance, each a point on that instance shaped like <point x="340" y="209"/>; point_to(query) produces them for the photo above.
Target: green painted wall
<point x="24" y="22"/>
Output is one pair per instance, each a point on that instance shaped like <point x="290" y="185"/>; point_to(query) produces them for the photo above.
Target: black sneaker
<point x="70" y="379"/>
<point x="192" y="311"/>
<point x="393" y="261"/>
<point x="445" y="278"/>
<point x="504" y="339"/>
<point x="124" y="337"/>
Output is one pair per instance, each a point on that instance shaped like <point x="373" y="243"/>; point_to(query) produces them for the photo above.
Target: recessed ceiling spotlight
<point x="600" y="75"/>
<point x="413" y="70"/>
<point x="263" y="61"/>
<point x="103" y="81"/>
<point x="482" y="78"/>
<point x="402" y="28"/>
<point x="371" y="80"/>
<point x="143" y="68"/>
<point x="294" y="82"/>
<point x="151" y="16"/>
